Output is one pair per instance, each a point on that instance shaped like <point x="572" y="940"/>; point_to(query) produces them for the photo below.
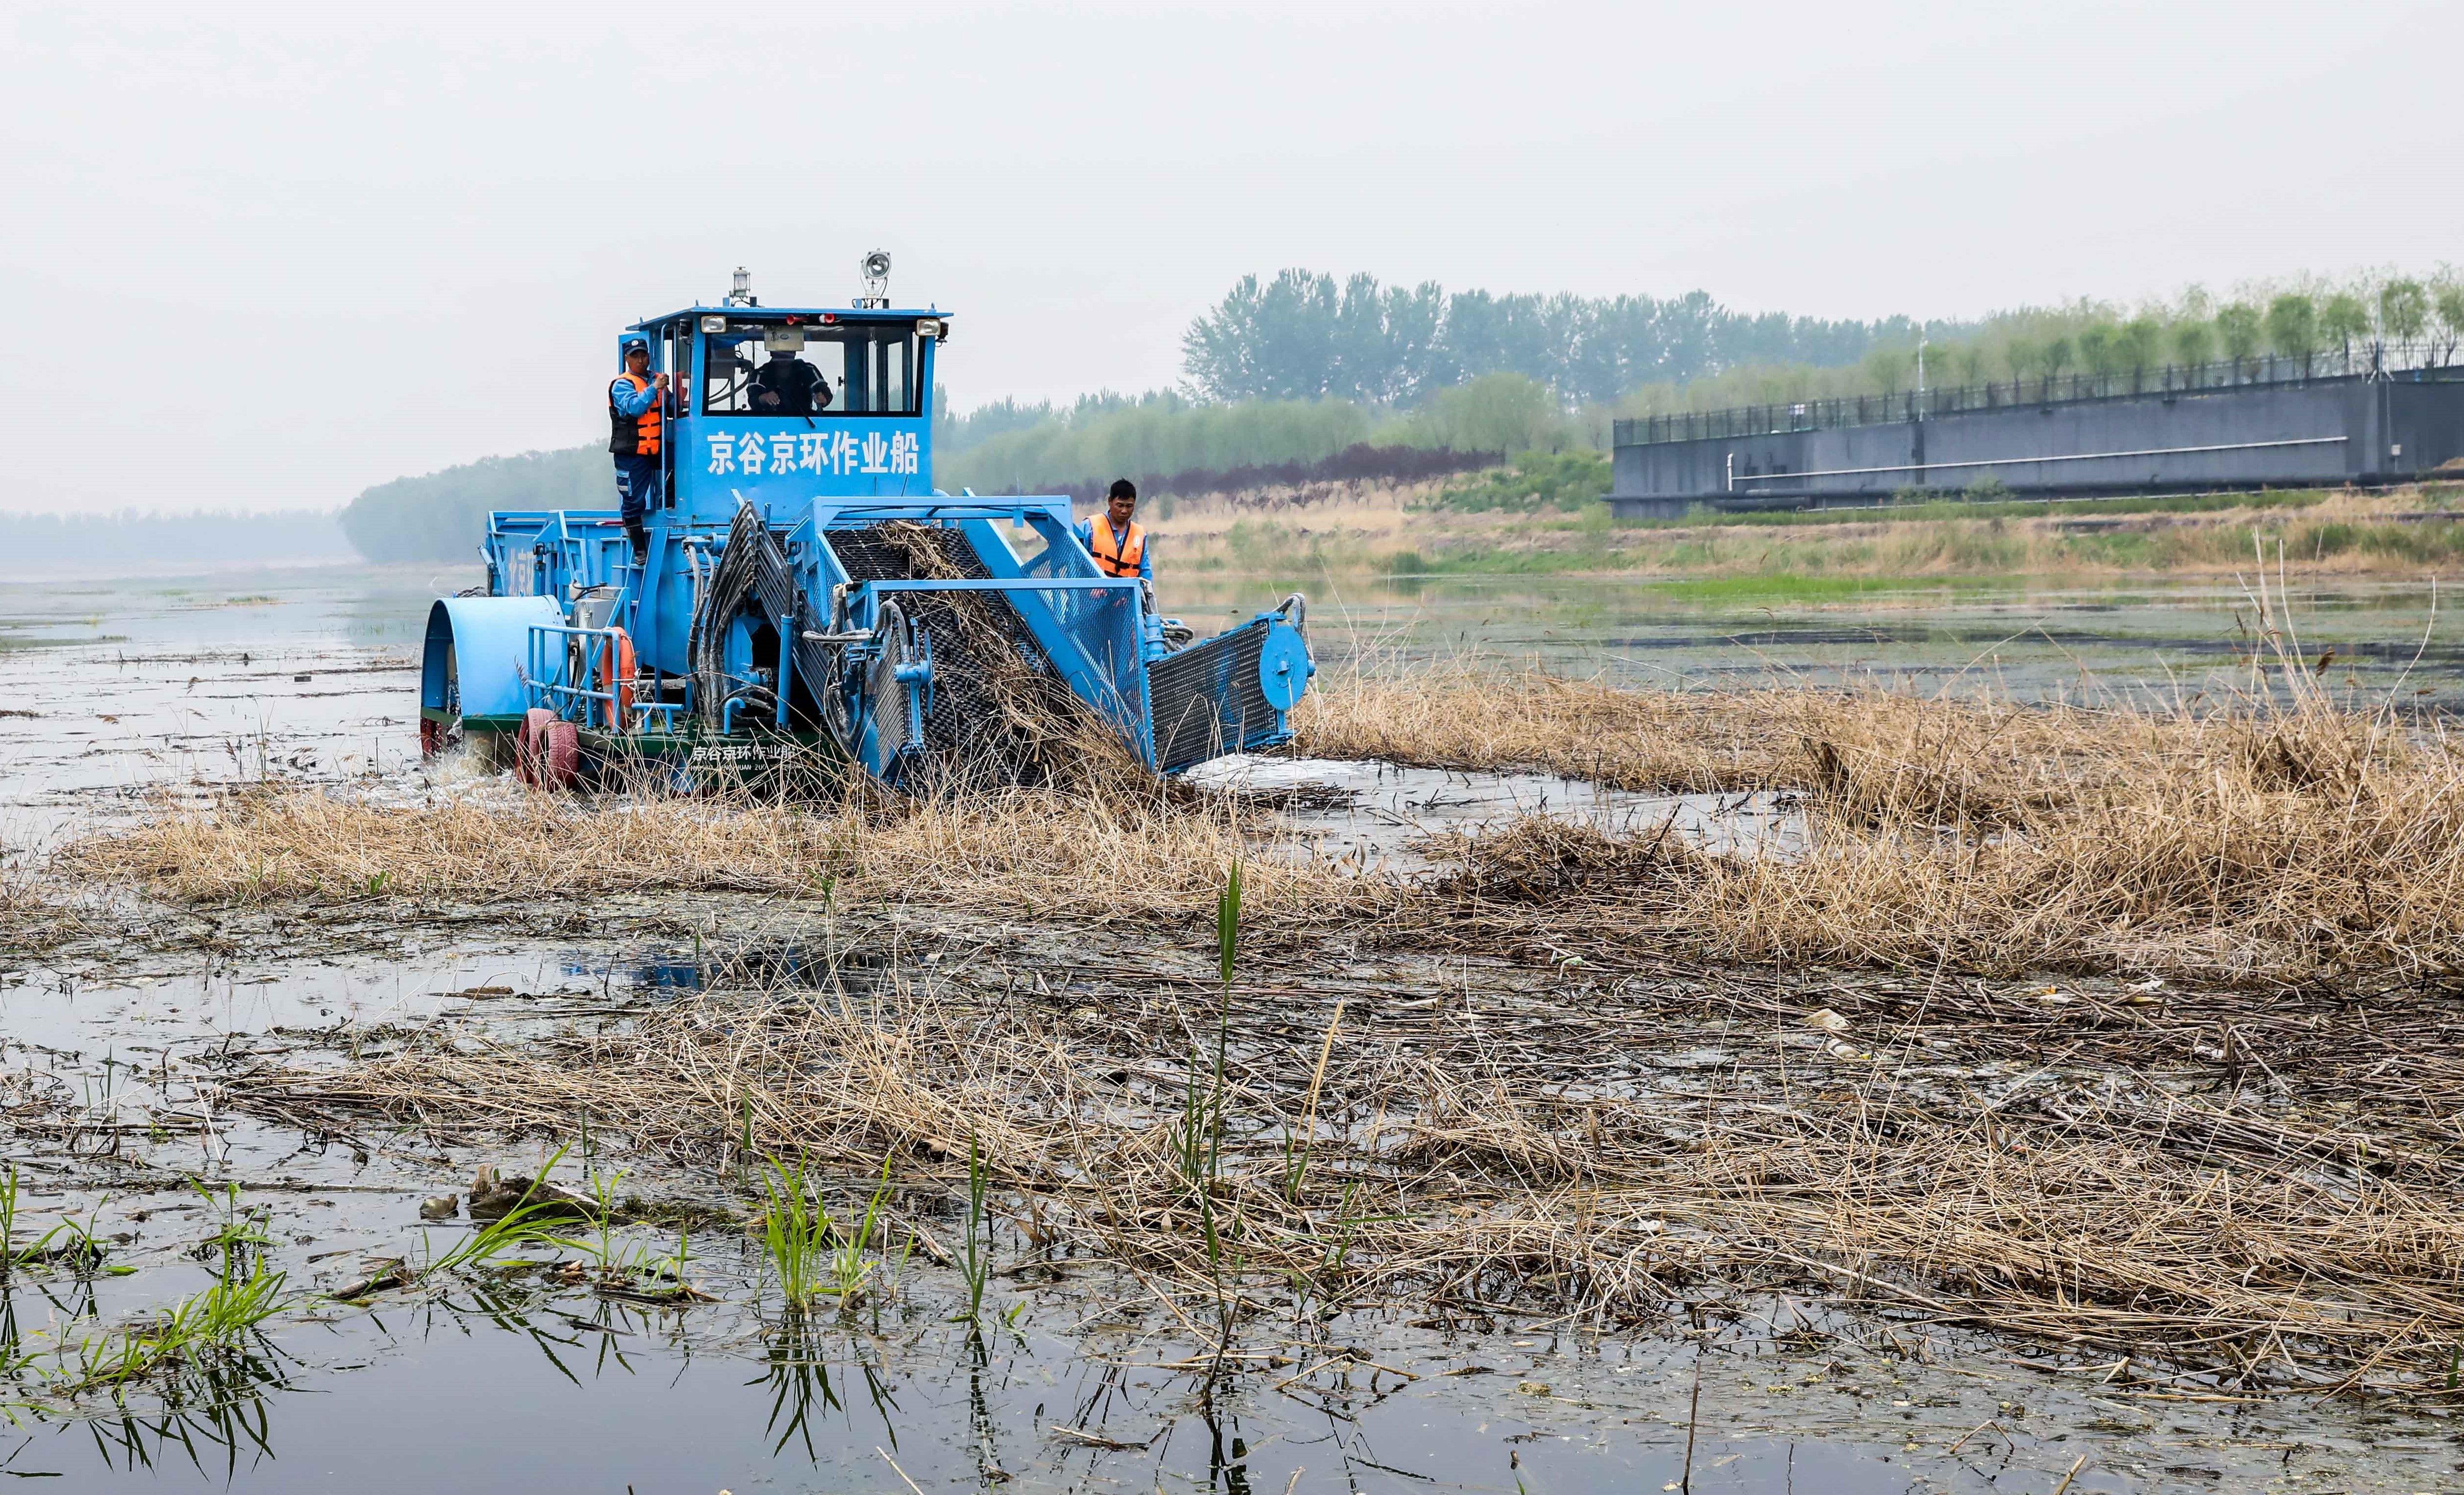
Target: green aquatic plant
<point x="241" y="1232"/>
<point x="528" y="1223"/>
<point x="1297" y="1147"/>
<point x="795" y="1231"/>
<point x="67" y="1241"/>
<point x="849" y="1272"/>
<point x="214" y="1320"/>
<point x="602" y="1188"/>
<point x="974" y="1252"/>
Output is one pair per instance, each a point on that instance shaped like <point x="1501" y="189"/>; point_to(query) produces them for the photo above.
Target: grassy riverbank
<point x="1407" y="531"/>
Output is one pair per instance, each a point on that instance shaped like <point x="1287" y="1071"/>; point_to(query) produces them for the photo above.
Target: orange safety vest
<point x="1124" y="556"/>
<point x="633" y="435"/>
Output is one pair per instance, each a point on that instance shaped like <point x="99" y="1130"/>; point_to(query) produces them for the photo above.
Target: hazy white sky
<point x="263" y="257"/>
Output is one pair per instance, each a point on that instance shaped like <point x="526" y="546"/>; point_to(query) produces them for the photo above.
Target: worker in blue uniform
<point x="1116" y="539"/>
<point x="636" y="410"/>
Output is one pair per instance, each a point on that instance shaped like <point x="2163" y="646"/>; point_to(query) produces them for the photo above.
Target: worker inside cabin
<point x="786" y="385"/>
<point x="636" y="412"/>
<point x="1116" y="540"/>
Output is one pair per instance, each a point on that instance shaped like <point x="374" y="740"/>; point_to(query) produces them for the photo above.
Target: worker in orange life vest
<point x="635" y="407"/>
<point x="1117" y="541"/>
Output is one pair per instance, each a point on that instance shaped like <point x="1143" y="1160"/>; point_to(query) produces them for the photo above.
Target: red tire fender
<point x="529" y="740"/>
<point x="560" y="756"/>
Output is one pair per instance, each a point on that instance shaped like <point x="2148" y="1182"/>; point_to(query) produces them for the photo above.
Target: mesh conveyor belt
<point x="1000" y="710"/>
<point x="870" y="555"/>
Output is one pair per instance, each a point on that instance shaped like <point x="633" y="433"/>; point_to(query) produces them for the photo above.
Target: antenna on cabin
<point x="875" y="269"/>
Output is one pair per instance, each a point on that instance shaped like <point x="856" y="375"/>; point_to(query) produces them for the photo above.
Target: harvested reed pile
<point x="1082" y="854"/>
<point x="1502" y="1150"/>
<point x="2232" y="848"/>
<point x="2281" y="836"/>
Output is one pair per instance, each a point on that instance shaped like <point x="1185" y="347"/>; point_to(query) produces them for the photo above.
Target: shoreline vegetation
<point x="1426" y="530"/>
<point x="2107" y="1026"/>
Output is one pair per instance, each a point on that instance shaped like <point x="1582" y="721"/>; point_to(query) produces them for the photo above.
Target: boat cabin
<point x="780" y="405"/>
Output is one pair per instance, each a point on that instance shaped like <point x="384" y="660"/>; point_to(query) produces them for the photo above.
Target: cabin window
<point x="810" y="370"/>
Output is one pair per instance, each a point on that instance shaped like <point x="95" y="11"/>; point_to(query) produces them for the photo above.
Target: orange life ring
<point x="622" y="684"/>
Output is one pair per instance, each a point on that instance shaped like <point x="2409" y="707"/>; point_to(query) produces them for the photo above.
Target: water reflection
<point x="215" y="1406"/>
<point x="798" y="1374"/>
<point x="984" y="1430"/>
<point x="209" y="1399"/>
<point x="1228" y="1453"/>
<point x="769" y="967"/>
<point x="2031" y="638"/>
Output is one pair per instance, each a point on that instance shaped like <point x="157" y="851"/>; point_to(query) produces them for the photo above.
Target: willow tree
<point x="2240" y="330"/>
<point x="2142" y="347"/>
<point x="2100" y="352"/>
<point x="2293" y="328"/>
<point x="2342" y="322"/>
<point x="2021" y="356"/>
<point x="2446" y="301"/>
<point x="2194" y="342"/>
<point x="2058" y="357"/>
<point x="2404" y="311"/>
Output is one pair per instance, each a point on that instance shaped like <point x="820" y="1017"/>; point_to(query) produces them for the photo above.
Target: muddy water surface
<point x="114" y="1050"/>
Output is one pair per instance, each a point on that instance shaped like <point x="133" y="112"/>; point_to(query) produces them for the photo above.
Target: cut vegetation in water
<point x="2098" y="1033"/>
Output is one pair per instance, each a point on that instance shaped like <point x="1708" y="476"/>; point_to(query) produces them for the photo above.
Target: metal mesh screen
<point x="1208" y="701"/>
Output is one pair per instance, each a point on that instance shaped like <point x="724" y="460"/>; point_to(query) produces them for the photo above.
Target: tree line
<point x="2389" y="321"/>
<point x="203" y="536"/>
<point x="1168" y="434"/>
<point x="1299" y="336"/>
<point x="1300" y="370"/>
<point x="443" y="515"/>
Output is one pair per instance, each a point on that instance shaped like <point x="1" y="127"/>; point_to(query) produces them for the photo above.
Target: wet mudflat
<point x="1076" y="1372"/>
<point x="173" y="1047"/>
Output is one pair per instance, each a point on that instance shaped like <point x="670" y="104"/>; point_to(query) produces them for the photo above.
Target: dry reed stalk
<point x="2226" y="850"/>
<point x="2280" y="840"/>
<point x="1941" y="750"/>
<point x="1530" y="1158"/>
<point x="2283" y="835"/>
<point x="1090" y="853"/>
<point x="32" y="917"/>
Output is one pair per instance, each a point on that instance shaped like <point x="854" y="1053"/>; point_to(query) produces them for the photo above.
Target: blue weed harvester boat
<point x="810" y="602"/>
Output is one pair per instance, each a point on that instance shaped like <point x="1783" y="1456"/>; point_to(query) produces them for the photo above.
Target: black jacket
<point x="788" y="385"/>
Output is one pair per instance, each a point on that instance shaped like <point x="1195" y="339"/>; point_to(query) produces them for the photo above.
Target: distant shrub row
<point x="1535" y="481"/>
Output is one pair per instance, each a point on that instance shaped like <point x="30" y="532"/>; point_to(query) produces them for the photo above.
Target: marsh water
<point x="129" y="695"/>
